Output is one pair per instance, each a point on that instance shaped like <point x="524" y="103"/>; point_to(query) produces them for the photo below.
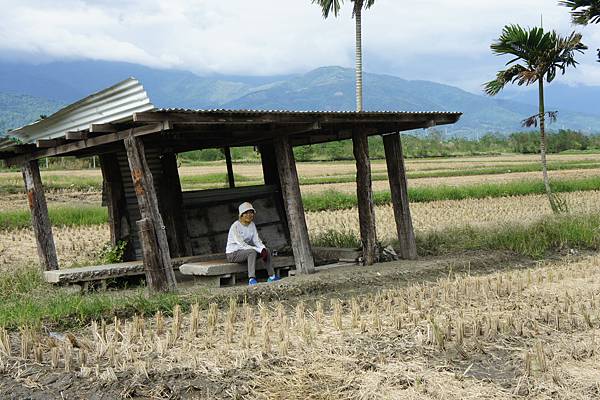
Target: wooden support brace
<point x="290" y="187"/>
<point x="364" y="191"/>
<point x="40" y="220"/>
<point x="397" y="177"/>
<point x="77" y="135"/>
<point x="155" y="245"/>
<point x="47" y="143"/>
<point x="103" y="128"/>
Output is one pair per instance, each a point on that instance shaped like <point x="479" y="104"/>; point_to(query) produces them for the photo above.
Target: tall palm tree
<point x="329" y="6"/>
<point x="537" y="56"/>
<point x="584" y="12"/>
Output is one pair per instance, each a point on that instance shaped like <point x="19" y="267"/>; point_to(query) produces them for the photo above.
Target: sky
<point x="444" y="41"/>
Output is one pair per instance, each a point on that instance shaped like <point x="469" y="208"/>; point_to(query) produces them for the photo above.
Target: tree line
<point x="433" y="144"/>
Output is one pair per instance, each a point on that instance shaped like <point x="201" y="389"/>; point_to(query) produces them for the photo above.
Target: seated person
<point x="244" y="244"/>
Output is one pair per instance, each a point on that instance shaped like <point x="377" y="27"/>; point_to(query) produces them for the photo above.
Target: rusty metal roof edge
<point x="248" y="111"/>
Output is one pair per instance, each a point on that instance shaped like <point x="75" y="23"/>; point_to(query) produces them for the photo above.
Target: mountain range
<point x="28" y="91"/>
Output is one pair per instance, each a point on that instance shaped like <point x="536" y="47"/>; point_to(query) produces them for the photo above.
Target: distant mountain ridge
<point x="326" y="88"/>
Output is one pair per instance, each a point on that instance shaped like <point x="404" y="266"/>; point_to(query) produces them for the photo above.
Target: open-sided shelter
<point x="137" y="146"/>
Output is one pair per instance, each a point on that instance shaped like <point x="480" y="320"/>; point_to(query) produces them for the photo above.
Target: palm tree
<point x="329" y="6"/>
<point x="538" y="55"/>
<point x="584" y="12"/>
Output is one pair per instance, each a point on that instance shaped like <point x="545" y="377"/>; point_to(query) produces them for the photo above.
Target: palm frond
<point x="516" y="73"/>
<point x="533" y="120"/>
<point x="543" y="54"/>
<point x="328" y="6"/>
<point x="583" y="12"/>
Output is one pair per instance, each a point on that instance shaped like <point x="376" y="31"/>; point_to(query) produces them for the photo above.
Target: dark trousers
<point x="251" y="255"/>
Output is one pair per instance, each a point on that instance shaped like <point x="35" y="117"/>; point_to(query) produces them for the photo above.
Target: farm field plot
<point x="81" y="245"/>
<point x="521" y="332"/>
<point x="350" y="187"/>
<point x="441" y="215"/>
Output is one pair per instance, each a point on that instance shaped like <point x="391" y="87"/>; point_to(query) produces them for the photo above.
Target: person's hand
<point x="264" y="254"/>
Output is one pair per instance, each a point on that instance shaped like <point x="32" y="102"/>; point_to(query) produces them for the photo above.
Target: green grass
<point x="59" y="216"/>
<point x="14" y="184"/>
<point x="329" y="200"/>
<point x="552" y="233"/>
<point x="333" y="200"/>
<point x="27" y="301"/>
<point x="192" y="180"/>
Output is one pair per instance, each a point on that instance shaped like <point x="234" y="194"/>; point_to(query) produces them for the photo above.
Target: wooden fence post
<point x="162" y="277"/>
<point x="40" y="221"/>
<point x="397" y="177"/>
<point x="364" y="192"/>
<point x="290" y="187"/>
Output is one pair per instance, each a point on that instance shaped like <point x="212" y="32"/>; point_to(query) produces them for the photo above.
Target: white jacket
<point x="243" y="237"/>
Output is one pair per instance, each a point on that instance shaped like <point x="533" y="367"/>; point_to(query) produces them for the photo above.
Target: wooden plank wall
<point x="133" y="211"/>
<point x="209" y="213"/>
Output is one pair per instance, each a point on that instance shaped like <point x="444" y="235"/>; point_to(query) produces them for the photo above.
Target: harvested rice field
<point x="470" y="324"/>
<point x="441" y="215"/>
<point x="446" y="330"/>
<point x="350" y="187"/>
<point x="81" y="245"/>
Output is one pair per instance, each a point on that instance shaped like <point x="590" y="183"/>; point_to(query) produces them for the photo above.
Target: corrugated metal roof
<point x="114" y="104"/>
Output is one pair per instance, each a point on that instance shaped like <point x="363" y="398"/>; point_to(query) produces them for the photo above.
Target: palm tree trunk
<point x="358" y="69"/>
<point x="543" y="146"/>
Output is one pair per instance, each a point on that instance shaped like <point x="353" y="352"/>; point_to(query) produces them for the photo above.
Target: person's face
<point x="247" y="217"/>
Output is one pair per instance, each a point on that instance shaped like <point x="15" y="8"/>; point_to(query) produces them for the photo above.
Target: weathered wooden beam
<point x="40" y="221"/>
<point x="77" y="135"/>
<point x="397" y="177"/>
<point x="291" y="117"/>
<point x="290" y="188"/>
<point x="46" y="143"/>
<point x="120" y="228"/>
<point x="171" y="207"/>
<point x="230" y="176"/>
<point x="364" y="191"/>
<point x="103" y="128"/>
<point x="271" y="177"/>
<point x="92" y="142"/>
<point x="155" y="245"/>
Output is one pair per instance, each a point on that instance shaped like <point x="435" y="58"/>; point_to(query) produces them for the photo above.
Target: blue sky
<point x="444" y="41"/>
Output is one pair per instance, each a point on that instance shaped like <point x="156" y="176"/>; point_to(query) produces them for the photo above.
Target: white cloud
<point x="441" y="40"/>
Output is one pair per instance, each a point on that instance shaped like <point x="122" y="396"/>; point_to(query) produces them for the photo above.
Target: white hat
<point x="245" y="207"/>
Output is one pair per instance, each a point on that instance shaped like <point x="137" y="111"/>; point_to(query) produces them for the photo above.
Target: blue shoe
<point x="273" y="278"/>
<point x="252" y="282"/>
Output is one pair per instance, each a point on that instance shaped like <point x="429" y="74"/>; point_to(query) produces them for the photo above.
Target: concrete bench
<point x="100" y="273"/>
<point x="217" y="273"/>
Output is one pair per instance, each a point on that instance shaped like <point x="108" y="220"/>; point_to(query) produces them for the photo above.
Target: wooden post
<point x="40" y="220"/>
<point x="398" y="187"/>
<point x="290" y="187"/>
<point x="152" y="260"/>
<point x="171" y="206"/>
<point x="117" y="204"/>
<point x="230" y="177"/>
<point x="162" y="277"/>
<point x="271" y="177"/>
<point x="364" y="191"/>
